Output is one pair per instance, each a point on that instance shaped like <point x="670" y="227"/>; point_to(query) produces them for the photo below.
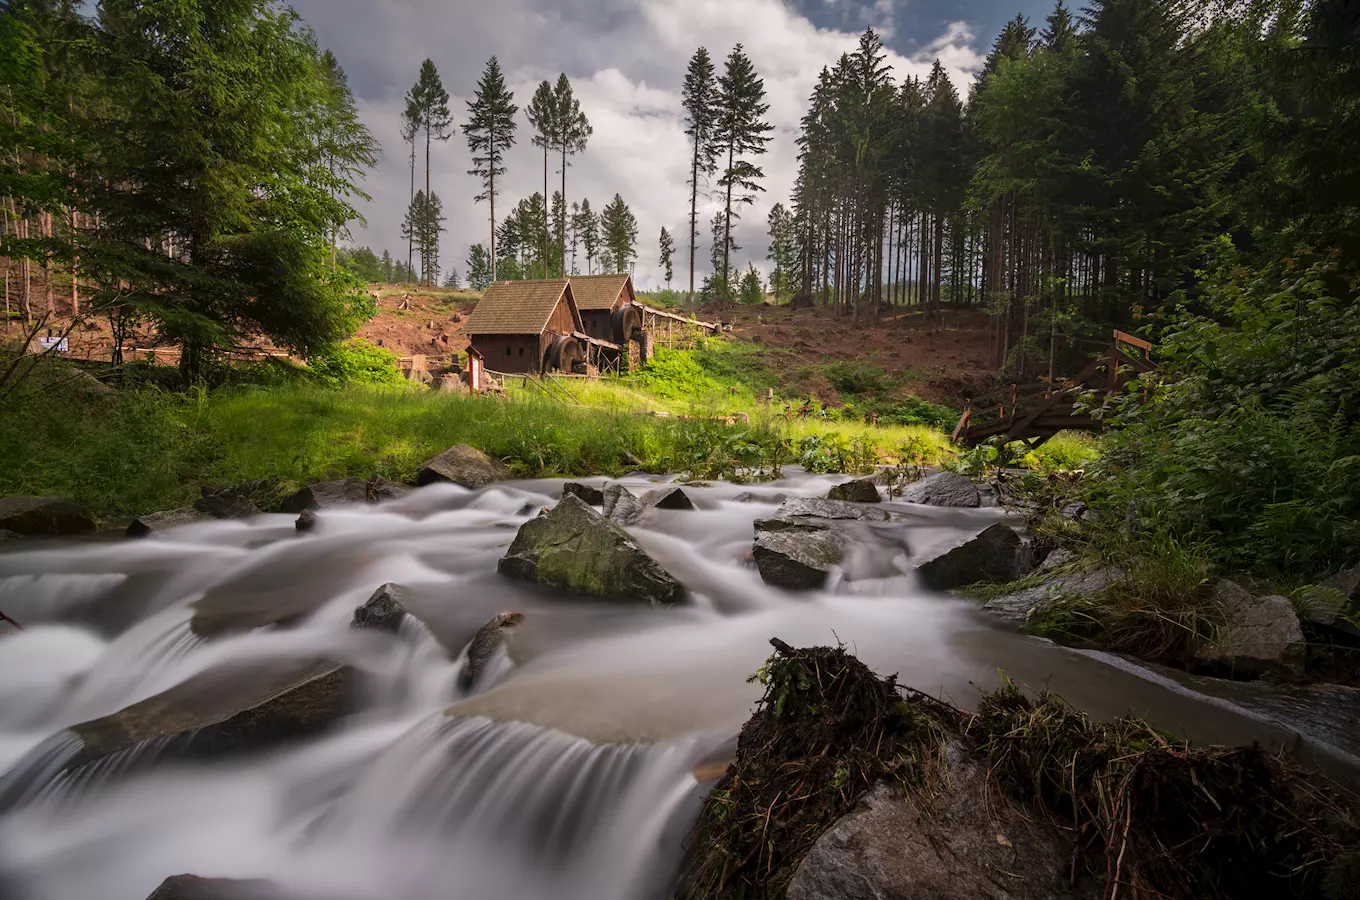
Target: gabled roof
<point x="517" y="307"/>
<point x="600" y="291"/>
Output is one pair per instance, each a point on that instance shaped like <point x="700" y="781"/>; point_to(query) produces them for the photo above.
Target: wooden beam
<point x="1121" y="337"/>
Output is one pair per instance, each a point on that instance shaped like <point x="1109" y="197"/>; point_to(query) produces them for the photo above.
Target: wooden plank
<point x="1134" y="341"/>
<point x="711" y="326"/>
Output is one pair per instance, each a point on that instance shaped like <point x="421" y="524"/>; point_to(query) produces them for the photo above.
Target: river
<point x="568" y="773"/>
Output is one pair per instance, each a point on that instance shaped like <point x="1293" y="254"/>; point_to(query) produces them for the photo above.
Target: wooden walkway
<point x="1033" y="413"/>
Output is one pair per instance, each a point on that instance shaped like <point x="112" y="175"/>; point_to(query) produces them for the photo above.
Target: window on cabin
<point x="521" y="351"/>
<point x="507" y="351"/>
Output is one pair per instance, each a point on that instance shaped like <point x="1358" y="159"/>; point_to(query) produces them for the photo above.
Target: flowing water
<point x="567" y="773"/>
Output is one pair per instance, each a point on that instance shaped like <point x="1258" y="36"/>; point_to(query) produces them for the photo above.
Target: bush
<point x="356" y="361"/>
<point x="676" y="375"/>
<point x="855" y="377"/>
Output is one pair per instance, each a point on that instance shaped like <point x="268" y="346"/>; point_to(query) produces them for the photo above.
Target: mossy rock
<point x="575" y="548"/>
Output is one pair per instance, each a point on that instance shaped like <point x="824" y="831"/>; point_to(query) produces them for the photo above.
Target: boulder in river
<point x="45" y="516"/>
<point x="668" y="498"/>
<point x="622" y="506"/>
<point x="799" y="546"/>
<point x="345" y="492"/>
<point x="383" y="611"/>
<point x="489" y="638"/>
<point x="306" y="521"/>
<point x="587" y="492"/>
<point x="164" y="521"/>
<point x="944" y="489"/>
<point x="811" y="507"/>
<point x="962" y="841"/>
<point x="192" y="887"/>
<point x="575" y="548"/>
<point x="7" y="535"/>
<point x="993" y="555"/>
<point x="861" y="490"/>
<point x="229" y="503"/>
<point x="1259" y="634"/>
<point x="1058" y="581"/>
<point x="229" y="710"/>
<point x="463" y="465"/>
<point x="9" y="626"/>
<point x="1329" y="608"/>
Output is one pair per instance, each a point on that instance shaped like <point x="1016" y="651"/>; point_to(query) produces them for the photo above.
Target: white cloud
<point x="626" y="59"/>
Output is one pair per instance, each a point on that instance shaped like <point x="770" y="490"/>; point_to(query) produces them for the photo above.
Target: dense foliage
<point x="209" y="210"/>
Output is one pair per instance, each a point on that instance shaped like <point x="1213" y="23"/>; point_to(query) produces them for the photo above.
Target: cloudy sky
<point x="626" y="60"/>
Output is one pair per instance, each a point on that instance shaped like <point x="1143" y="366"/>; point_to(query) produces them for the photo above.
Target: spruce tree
<point x="574" y="227"/>
<point x="451" y="280"/>
<point x="590" y="235"/>
<point x="410" y="128"/>
<point x="542" y="115"/>
<point x="739" y="131"/>
<point x="667" y="251"/>
<point x="620" y="231"/>
<point x="479" y="274"/>
<point x="571" y="133"/>
<point x="490" y="131"/>
<point x="387" y="267"/>
<point x="435" y="117"/>
<point x="699" y="97"/>
<point x="751" y="292"/>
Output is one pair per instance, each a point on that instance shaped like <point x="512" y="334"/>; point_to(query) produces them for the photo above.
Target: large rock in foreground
<point x="575" y="548"/>
<point x="964" y="841"/>
<point x="994" y="555"/>
<point x="1259" y="634"/>
<point x="45" y="516"/>
<point x="384" y="611"/>
<point x="944" y="489"/>
<point x="463" y="465"/>
<point x="861" y="490"/>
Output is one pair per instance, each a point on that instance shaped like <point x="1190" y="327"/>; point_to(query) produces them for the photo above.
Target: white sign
<point x="47" y="343"/>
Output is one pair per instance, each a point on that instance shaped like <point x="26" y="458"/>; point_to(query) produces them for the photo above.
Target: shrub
<point x="356" y="361"/>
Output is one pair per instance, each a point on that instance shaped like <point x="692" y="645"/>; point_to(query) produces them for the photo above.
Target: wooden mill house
<point x="527" y="327"/>
<point x="609" y="307"/>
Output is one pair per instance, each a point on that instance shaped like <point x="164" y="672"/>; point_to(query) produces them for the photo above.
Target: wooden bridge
<point x="1033" y="413"/>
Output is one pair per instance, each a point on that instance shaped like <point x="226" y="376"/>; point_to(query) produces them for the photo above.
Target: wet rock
<point x="229" y="710"/>
<point x="962" y="841"/>
<point x="345" y="492"/>
<point x="1329" y="608"/>
<point x="668" y="498"/>
<point x="164" y="521"/>
<point x="861" y="490"/>
<point x="45" y="516"/>
<point x="796" y="554"/>
<point x="1057" y="586"/>
<point x="993" y="555"/>
<point x="754" y="497"/>
<point x="1259" y="634"/>
<point x="226" y="506"/>
<point x="575" y="548"/>
<point x="192" y="887"/>
<point x="306" y="521"/>
<point x="811" y="507"/>
<point x="383" y="611"/>
<point x="620" y="505"/>
<point x="587" y="492"/>
<point x="463" y="465"/>
<point x="6" y="536"/>
<point x="944" y="489"/>
<point x="485" y="643"/>
<point x="9" y="626"/>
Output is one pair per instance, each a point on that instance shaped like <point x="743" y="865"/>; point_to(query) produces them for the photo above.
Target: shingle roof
<point x="597" y="291"/>
<point x="515" y="307"/>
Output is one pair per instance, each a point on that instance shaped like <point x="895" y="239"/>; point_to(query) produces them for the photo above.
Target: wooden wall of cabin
<point x="510" y="352"/>
<point x="561" y="322"/>
<point x="597" y="323"/>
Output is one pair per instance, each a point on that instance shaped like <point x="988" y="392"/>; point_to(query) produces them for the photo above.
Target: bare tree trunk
<point x="75" y="267"/>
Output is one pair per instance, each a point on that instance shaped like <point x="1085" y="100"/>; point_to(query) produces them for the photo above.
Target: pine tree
<point x="490" y="131"/>
<point x="1060" y="31"/>
<point x="575" y="225"/>
<point x="783" y="250"/>
<point x="387" y="267"/>
<point x="557" y="245"/>
<point x="667" y="251"/>
<point x="435" y="118"/>
<point x="571" y="133"/>
<point x="739" y="131"/>
<point x="451" y="281"/>
<point x="542" y="114"/>
<point x="410" y="128"/>
<point x="620" y="231"/>
<point x="699" y="97"/>
<point x="478" y="268"/>
<point x="720" y="253"/>
<point x="751" y="293"/>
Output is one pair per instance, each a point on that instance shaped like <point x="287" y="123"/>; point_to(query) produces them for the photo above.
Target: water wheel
<point x="626" y="322"/>
<point x="564" y="354"/>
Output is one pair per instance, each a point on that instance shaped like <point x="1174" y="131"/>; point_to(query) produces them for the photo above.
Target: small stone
<point x="383" y="611"/>
<point x="484" y="644"/>
<point x="306" y="521"/>
<point x="587" y="492"/>
<point x="861" y="490"/>
<point x="462" y="465"/>
<point x="944" y="489"/>
<point x="164" y="521"/>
